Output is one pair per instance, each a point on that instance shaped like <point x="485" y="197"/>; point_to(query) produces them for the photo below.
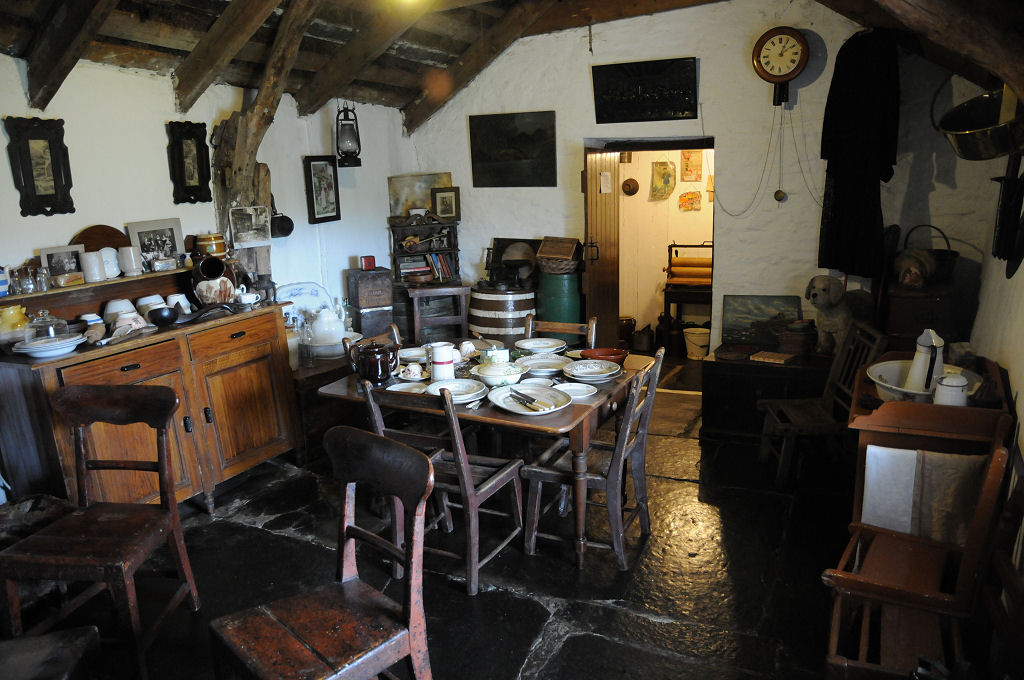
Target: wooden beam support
<point x="577" y="13"/>
<point x="226" y="37"/>
<point x="989" y="39"/>
<point x="370" y="42"/>
<point x="474" y="60"/>
<point x="72" y="25"/>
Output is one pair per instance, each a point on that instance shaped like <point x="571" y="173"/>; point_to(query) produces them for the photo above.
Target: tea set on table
<point x="554" y="379"/>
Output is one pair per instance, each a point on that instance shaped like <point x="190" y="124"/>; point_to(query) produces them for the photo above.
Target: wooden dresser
<point x="237" y="405"/>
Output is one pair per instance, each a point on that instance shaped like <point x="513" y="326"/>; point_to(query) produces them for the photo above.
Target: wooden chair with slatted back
<point x="606" y="468"/>
<point x="789" y="419"/>
<point x="473" y="479"/>
<point x="347" y="628"/>
<point x="106" y="543"/>
<point x="587" y="331"/>
<point x="420" y="321"/>
<point x="901" y="594"/>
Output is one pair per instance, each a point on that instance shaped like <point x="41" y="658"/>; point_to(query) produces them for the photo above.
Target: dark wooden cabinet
<point x="436" y="245"/>
<point x="947" y="308"/>
<point x="731" y="390"/>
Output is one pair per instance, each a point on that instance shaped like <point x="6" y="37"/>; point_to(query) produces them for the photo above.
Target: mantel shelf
<point x="120" y="280"/>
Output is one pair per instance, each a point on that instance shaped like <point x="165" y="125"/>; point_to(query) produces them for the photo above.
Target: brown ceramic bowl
<point x="606" y="353"/>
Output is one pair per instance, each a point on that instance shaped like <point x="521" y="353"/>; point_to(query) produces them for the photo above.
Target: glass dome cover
<point x="45" y="326"/>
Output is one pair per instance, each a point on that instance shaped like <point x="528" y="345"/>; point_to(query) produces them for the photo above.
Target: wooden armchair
<point x="899" y="594"/>
<point x="789" y="419"/>
<point x="587" y="331"/>
<point x="474" y="479"/>
<point x="106" y="543"/>
<point x="345" y="629"/>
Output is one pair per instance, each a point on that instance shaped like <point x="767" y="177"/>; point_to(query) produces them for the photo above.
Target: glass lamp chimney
<point x="347" y="137"/>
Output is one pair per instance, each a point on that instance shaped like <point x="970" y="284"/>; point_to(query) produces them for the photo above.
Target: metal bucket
<point x="974" y="131"/>
<point x="500" y="315"/>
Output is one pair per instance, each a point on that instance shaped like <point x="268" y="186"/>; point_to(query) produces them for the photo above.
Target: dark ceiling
<point x="412" y="55"/>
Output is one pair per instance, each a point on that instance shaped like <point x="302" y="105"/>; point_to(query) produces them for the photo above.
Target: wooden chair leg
<point x="444" y="509"/>
<point x="783" y="474"/>
<point x="176" y="545"/>
<point x="516" y="489"/>
<point x="10" y="600"/>
<point x="532" y="516"/>
<point x="472" y="517"/>
<point x="638" y="471"/>
<point x="122" y="590"/>
<point x="767" y="433"/>
<point x="613" y="498"/>
<point x="397" y="534"/>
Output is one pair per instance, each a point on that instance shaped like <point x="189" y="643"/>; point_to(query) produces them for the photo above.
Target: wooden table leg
<point x="579" y="443"/>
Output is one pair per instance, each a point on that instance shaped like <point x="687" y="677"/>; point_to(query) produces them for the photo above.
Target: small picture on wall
<point x="157" y="239"/>
<point x="62" y="260"/>
<point x="692" y="165"/>
<point x="446" y="203"/>
<point x="250" y="226"/>
<point x="321" y="174"/>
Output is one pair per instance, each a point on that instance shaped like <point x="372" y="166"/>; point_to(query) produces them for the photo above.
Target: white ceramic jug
<point x="951" y="389"/>
<point x="442" y="362"/>
<point x="927" y="365"/>
<point x="328" y="328"/>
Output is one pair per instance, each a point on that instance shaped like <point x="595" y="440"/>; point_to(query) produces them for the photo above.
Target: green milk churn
<point x="558" y="299"/>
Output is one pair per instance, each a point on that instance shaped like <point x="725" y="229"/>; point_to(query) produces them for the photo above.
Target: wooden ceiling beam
<point x="228" y="34"/>
<point x="577" y="13"/>
<point x="71" y="27"/>
<point x="474" y="60"/>
<point x="386" y="26"/>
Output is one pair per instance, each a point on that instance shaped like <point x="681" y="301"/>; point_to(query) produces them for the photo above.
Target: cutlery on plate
<point x="530" y="401"/>
<point x="525" y="402"/>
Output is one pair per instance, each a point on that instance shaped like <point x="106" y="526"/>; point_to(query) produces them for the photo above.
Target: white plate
<point x="50" y="350"/>
<point x="501" y="396"/>
<point x="592" y="368"/>
<point x="543" y="365"/>
<point x="307" y="298"/>
<point x="593" y="379"/>
<point x="462" y="390"/>
<point x="480" y="344"/>
<point x="110" y="266"/>
<point x="576" y="390"/>
<point x="543" y="382"/>
<point x="538" y="345"/>
<point x="402" y="375"/>
<point x="411" y="387"/>
<point x="66" y="340"/>
<point x="408" y="355"/>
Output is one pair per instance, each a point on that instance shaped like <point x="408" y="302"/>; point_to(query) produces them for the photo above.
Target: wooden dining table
<point x="578" y="421"/>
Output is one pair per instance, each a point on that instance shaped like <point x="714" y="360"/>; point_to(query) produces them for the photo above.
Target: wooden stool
<point x="419" y="321"/>
<point x="54" y="656"/>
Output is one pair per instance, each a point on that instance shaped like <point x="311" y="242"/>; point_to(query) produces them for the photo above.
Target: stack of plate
<point x="463" y="391"/>
<point x="409" y="355"/>
<point x="541" y="345"/>
<point x="592" y="370"/>
<point x="543" y="365"/>
<point x="48" y="348"/>
<point x="502" y="396"/>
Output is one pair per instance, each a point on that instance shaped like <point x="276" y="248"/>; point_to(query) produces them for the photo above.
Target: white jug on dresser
<point x="927" y="366"/>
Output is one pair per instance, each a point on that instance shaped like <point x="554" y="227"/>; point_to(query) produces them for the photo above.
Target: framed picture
<point x="189" y="160"/>
<point x="664" y="89"/>
<point x="250" y="226"/>
<point x="321" y="188"/>
<point x="412" y="192"/>
<point x="446" y="203"/>
<point x="40" y="165"/>
<point x="513" y="149"/>
<point x="157" y="239"/>
<point x="62" y="259"/>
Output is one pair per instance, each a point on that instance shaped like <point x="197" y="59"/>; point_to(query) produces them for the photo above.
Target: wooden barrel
<point x="500" y="315"/>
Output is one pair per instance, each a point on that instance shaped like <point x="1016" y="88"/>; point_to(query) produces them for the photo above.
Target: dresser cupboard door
<point x="243" y="413"/>
<point x="158" y="364"/>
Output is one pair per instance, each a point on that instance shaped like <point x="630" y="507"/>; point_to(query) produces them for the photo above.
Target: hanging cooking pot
<point x="974" y="130"/>
<point x="280" y="225"/>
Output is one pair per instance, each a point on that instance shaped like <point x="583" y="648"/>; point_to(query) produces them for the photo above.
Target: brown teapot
<point x="373" y="361"/>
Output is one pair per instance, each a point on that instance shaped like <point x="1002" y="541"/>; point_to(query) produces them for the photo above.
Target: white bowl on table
<point x="494" y="375"/>
<point x="334" y="349"/>
<point x="889" y="377"/>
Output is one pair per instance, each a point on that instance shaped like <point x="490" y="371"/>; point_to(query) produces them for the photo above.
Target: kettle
<point x="373" y="362"/>
<point x="927" y="366"/>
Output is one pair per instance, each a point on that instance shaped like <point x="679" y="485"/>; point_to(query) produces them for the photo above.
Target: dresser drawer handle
<point x="235" y="336"/>
<point x="208" y="414"/>
<point x="130" y="367"/>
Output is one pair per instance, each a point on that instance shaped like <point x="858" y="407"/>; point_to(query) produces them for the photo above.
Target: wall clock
<point x="779" y="55"/>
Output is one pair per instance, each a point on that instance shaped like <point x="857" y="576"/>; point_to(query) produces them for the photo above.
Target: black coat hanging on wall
<point x="858" y="139"/>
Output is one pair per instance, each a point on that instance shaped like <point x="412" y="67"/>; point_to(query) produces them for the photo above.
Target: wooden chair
<point x="419" y="296"/>
<point x="389" y="337"/>
<point x="606" y="468"/>
<point x="1003" y="593"/>
<point x="475" y="479"/>
<point x="899" y="595"/>
<point x="345" y="629"/>
<point x="107" y="542"/>
<point x="588" y="330"/>
<point x="827" y="415"/>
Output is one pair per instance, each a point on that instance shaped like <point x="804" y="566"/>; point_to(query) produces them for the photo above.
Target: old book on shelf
<point x="773" y="357"/>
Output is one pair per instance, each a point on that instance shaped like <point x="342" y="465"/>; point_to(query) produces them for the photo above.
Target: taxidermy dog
<point x="836" y="310"/>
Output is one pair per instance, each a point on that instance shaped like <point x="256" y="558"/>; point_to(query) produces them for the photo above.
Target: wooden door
<point x="158" y="364"/>
<point x="601" y="278"/>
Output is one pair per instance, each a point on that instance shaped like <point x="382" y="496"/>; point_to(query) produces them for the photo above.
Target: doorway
<point x="642" y="196"/>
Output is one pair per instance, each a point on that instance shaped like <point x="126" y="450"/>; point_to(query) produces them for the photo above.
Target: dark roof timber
<point x="416" y="56"/>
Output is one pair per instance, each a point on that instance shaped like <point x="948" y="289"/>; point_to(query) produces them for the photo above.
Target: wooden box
<point x="559" y="248"/>
<point x="369" y="289"/>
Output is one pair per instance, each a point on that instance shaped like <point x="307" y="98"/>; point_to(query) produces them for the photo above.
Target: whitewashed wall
<point x="114" y="130"/>
<point x="646" y="228"/>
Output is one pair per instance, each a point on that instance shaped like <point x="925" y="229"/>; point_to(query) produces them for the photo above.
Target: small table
<point x="578" y="421"/>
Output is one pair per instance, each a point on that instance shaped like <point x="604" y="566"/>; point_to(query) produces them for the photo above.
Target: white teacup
<point x="413" y="370"/>
<point x="466" y="349"/>
<point x="179" y="300"/>
<point x="247" y="298"/>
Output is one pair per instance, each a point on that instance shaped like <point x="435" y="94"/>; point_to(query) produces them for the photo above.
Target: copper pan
<point x="974" y="130"/>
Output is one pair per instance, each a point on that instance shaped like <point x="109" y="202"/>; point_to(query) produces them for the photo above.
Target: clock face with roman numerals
<point x="780" y="54"/>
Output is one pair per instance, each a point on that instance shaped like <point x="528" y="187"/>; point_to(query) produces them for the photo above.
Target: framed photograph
<point x="40" y="165"/>
<point x="321" y="188"/>
<point x="250" y="226"/>
<point x="412" y="192"/>
<point x="157" y="239"/>
<point x="62" y="259"/>
<point x="446" y="203"/>
<point x="189" y="160"/>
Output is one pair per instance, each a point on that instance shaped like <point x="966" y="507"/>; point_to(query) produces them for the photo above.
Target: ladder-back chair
<point x="586" y="331"/>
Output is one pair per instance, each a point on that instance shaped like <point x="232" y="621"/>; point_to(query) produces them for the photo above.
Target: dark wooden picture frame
<point x="189" y="159"/>
<point x="662" y="89"/>
<point x="321" y="173"/>
<point x="445" y="203"/>
<point x="40" y="165"/>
